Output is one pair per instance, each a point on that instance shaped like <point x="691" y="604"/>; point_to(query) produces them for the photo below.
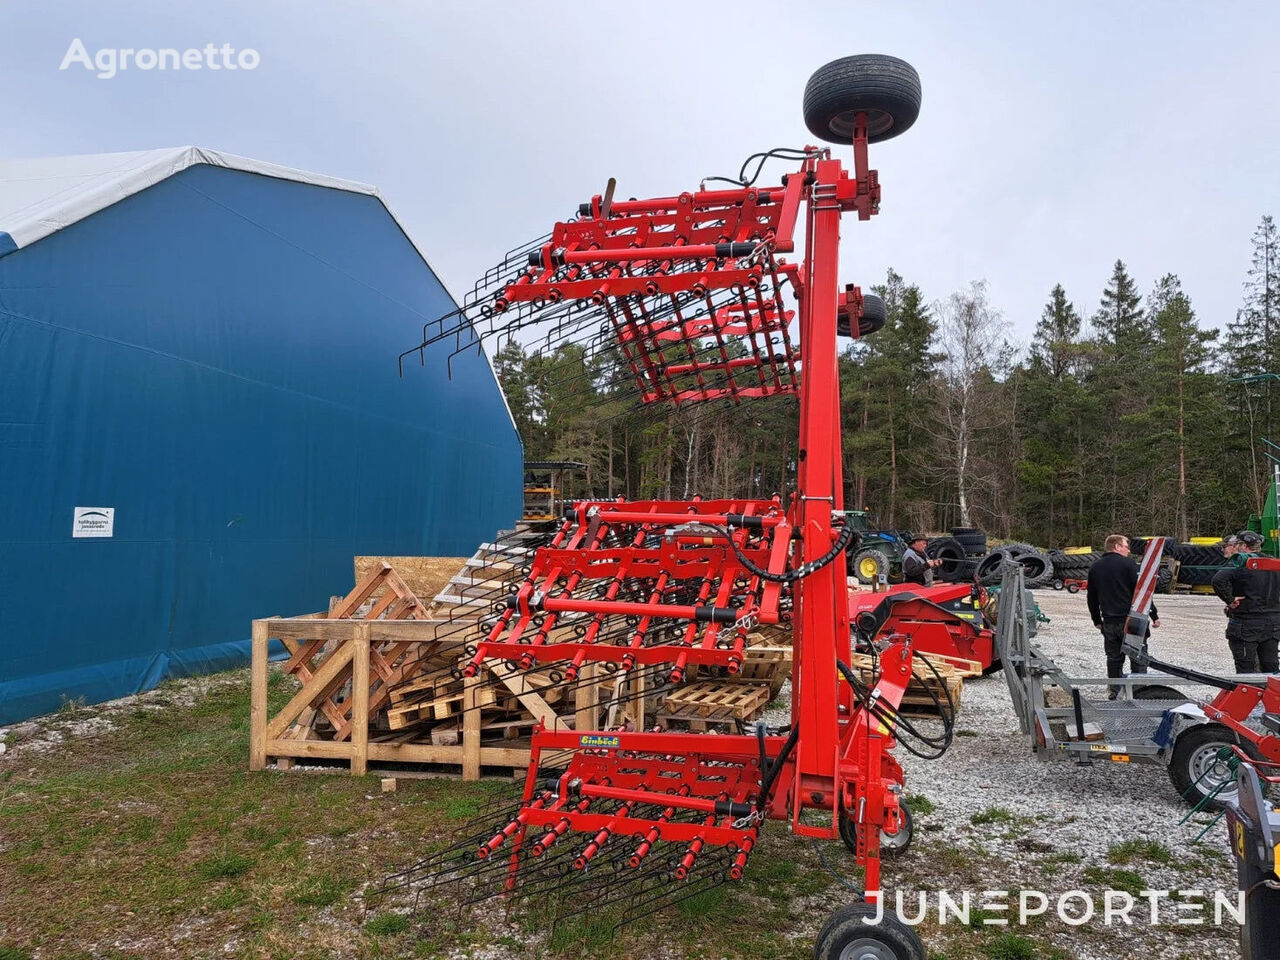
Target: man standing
<point x="1112" y="580"/>
<point x="916" y="566"/>
<point x="1253" y="607"/>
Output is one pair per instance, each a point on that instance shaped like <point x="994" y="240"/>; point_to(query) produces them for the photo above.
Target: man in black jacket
<point x="1112" y="580"/>
<point x="1253" y="606"/>
<point x="916" y="566"/>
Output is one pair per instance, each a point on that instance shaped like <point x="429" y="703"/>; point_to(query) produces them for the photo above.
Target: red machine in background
<point x="686" y="300"/>
<point x="947" y="620"/>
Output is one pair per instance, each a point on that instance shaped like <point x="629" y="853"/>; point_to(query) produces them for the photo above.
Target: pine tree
<point x="1183" y="354"/>
<point x="1251" y="349"/>
<point x="1055" y="343"/>
<point x="1122" y="327"/>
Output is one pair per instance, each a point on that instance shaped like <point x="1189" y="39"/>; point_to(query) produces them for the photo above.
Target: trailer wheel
<point x="891" y="844"/>
<point x="1073" y="588"/>
<point x="1157" y="691"/>
<point x="853" y="934"/>
<point x="885" y="88"/>
<point x="869" y="564"/>
<point x="1196" y="768"/>
<point x="1057" y="583"/>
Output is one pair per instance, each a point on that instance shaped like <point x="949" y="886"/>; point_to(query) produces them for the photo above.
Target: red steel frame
<point x="709" y="260"/>
<point x="918" y="613"/>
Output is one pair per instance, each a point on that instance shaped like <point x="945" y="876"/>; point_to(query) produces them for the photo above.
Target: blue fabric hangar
<point x="201" y="420"/>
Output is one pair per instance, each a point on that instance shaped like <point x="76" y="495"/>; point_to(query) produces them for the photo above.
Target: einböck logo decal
<point x="599" y="740"/>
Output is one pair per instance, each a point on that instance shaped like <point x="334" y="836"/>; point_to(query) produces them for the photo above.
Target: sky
<point x="1054" y="137"/>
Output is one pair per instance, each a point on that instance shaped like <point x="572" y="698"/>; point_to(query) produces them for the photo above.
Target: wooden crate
<point x="919" y="698"/>
<point x="352" y="664"/>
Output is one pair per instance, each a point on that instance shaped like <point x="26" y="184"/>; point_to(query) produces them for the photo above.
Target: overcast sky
<point x="1054" y="137"/>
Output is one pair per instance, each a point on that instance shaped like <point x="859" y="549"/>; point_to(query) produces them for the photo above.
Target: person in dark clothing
<point x="916" y="566"/>
<point x="1253" y="608"/>
<point x="1112" y="580"/>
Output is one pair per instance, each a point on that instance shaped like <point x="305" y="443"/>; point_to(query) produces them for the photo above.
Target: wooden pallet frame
<point x="352" y="641"/>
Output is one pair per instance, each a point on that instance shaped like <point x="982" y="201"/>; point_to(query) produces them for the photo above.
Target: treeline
<point x="1133" y="417"/>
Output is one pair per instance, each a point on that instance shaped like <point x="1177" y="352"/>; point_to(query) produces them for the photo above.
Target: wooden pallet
<point x="722" y="700"/>
<point x="767" y="664"/>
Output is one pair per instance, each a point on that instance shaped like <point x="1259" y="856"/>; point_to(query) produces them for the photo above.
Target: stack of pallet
<point x="929" y="688"/>
<point x="715" y="699"/>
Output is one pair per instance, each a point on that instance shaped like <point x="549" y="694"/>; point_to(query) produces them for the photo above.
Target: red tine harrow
<point x="689" y="300"/>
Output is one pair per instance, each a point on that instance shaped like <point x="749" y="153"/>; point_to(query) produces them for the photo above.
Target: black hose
<point x="771" y="774"/>
<point x="842" y="542"/>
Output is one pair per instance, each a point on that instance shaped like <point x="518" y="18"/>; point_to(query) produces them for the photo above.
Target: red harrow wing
<point x="683" y="301"/>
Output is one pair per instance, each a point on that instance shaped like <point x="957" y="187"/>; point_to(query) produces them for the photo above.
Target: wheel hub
<point x="1208" y="772"/>
<point x="865" y="949"/>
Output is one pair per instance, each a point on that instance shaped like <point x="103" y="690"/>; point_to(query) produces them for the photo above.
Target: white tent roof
<point x="41" y="196"/>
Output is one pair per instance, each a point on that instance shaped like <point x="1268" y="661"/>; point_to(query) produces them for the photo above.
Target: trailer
<point x="1151" y="721"/>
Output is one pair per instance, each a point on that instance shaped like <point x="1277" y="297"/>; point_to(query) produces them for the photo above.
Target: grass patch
<point x="1140" y="851"/>
<point x="919" y="803"/>
<point x="461" y="808"/>
<point x="584" y="935"/>
<point x="387" y="924"/>
<point x="993" y="815"/>
<point x="1009" y="946"/>
<point x="223" y="866"/>
<point x="229" y="899"/>
<point x="1129" y="881"/>
<point x="13" y="953"/>
<point x="322" y="891"/>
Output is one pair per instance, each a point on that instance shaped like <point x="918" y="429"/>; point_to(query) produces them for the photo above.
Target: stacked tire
<point x="1198" y="564"/>
<point x="972" y="540"/>
<point x="1072" y="566"/>
<point x="1036" y="564"/>
<point x="956" y="566"/>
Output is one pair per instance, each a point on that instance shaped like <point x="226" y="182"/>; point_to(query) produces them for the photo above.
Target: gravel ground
<point x="1056" y="812"/>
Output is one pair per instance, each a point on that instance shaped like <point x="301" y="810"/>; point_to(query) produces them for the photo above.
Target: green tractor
<point x="879" y="553"/>
<point x="1268" y="522"/>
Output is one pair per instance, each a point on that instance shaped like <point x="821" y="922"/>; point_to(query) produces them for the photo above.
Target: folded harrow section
<point x="627" y="828"/>
<point x="680" y="299"/>
<point x="664" y="585"/>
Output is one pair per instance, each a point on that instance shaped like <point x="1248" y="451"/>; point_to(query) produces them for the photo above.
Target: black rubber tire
<point x="1038" y="569"/>
<point x="874" y="315"/>
<point x="950" y="552"/>
<point x="959" y="532"/>
<point x="1057" y="583"/>
<point x="848" y="928"/>
<point x="1073" y="588"/>
<point x="885" y="88"/>
<point x="1157" y="691"/>
<point x="1188" y="750"/>
<point x="883" y="565"/>
<point x="988" y="569"/>
<point x="1018" y="549"/>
